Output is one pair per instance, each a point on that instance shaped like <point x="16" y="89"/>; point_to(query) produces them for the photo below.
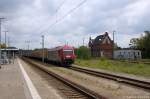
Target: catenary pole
<point x="8" y="41"/>
<point x="113" y="43"/>
<point x="83" y="41"/>
<point x="5" y="39"/>
<point x="42" y="48"/>
<point x="1" y="18"/>
<point x="28" y="45"/>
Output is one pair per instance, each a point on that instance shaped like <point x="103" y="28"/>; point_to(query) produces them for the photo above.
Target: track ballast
<point x="75" y="91"/>
<point x="120" y="79"/>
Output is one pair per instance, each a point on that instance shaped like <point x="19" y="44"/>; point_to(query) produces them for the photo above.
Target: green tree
<point x="134" y="43"/>
<point x="83" y="52"/>
<point x="142" y="43"/>
<point x="3" y="45"/>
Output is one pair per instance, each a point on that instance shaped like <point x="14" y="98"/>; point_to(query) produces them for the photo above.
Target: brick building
<point x="101" y="46"/>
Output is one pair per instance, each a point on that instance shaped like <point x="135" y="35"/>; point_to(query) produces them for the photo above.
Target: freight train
<point x="62" y="54"/>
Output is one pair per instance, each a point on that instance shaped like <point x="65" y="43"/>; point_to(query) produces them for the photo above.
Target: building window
<point x="138" y="53"/>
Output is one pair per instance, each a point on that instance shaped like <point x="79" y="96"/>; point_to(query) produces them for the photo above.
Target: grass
<point x="116" y="66"/>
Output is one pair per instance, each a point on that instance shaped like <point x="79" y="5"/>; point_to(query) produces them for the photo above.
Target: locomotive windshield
<point x="68" y="52"/>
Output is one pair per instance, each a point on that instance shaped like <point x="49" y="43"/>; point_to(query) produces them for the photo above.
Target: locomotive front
<point x="68" y="55"/>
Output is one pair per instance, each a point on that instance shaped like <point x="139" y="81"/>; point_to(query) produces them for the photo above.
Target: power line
<point x="69" y="12"/>
<point x="57" y="10"/>
<point x="59" y="7"/>
<point x="73" y="9"/>
<point x="60" y="19"/>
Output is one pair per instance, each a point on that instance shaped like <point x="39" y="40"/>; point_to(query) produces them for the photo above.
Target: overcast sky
<point x="27" y="20"/>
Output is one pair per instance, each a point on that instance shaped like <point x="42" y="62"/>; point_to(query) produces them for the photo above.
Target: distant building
<point x="7" y="54"/>
<point x="128" y="54"/>
<point x="101" y="46"/>
<point x="9" y="51"/>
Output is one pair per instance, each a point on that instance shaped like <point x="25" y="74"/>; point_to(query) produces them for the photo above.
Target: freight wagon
<point x="62" y="54"/>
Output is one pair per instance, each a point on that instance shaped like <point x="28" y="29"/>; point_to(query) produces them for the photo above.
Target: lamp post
<point x="113" y="42"/>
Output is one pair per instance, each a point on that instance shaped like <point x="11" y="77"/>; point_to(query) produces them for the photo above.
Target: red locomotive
<point x="62" y="54"/>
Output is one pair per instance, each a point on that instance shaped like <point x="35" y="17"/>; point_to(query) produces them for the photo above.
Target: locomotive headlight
<point x="68" y="56"/>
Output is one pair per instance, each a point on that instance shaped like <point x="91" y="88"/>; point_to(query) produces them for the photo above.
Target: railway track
<point x="70" y="89"/>
<point x="120" y="79"/>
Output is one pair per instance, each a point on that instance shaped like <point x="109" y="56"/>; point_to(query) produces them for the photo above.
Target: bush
<point x="83" y="52"/>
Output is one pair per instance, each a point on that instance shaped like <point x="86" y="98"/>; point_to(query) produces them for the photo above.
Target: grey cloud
<point x="12" y="5"/>
<point x="31" y="19"/>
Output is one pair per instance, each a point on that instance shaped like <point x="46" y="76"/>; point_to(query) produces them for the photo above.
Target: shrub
<point x="83" y="52"/>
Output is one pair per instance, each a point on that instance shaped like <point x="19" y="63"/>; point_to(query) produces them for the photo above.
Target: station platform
<point x="11" y="82"/>
<point x="18" y="81"/>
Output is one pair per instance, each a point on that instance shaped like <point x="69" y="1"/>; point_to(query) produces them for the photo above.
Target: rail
<point x="121" y="79"/>
<point x="87" y="92"/>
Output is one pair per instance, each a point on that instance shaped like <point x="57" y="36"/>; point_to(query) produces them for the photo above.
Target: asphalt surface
<point x="19" y="81"/>
<point x="12" y="85"/>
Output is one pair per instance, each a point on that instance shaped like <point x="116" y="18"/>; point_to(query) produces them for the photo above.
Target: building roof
<point x="99" y="39"/>
<point x="10" y="49"/>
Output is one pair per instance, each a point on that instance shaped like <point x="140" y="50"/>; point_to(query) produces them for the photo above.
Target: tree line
<point x="142" y="43"/>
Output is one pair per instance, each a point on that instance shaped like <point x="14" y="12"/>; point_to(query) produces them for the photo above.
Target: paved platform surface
<point x="19" y="81"/>
<point x="11" y="83"/>
<point x="45" y="90"/>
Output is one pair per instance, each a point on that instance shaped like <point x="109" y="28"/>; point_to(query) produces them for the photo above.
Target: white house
<point x="127" y="54"/>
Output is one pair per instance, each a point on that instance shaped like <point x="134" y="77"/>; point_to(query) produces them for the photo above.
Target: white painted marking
<point x="33" y="91"/>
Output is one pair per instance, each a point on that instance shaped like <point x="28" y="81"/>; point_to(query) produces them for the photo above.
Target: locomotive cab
<point x="68" y="56"/>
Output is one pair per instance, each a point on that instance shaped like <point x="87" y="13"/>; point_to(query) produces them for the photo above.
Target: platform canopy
<point x="10" y="49"/>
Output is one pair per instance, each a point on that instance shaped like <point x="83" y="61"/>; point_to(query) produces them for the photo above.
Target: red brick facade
<point x="101" y="46"/>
